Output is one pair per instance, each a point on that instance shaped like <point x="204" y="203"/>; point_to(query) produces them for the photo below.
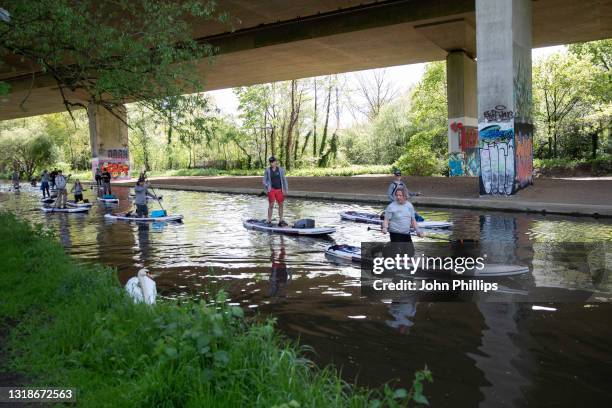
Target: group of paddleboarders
<point x="399" y="218"/>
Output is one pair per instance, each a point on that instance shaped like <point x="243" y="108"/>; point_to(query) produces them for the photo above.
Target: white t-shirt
<point x="400" y="217"/>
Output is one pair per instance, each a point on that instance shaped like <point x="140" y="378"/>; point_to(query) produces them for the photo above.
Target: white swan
<point x="142" y="288"/>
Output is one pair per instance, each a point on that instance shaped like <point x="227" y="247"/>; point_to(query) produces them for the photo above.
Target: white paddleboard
<point x="353" y="253"/>
<point x="108" y="200"/>
<point x="64" y="210"/>
<point x="371" y="218"/>
<point x="149" y="197"/>
<point x="262" y="225"/>
<point x="78" y="205"/>
<point x="124" y="217"/>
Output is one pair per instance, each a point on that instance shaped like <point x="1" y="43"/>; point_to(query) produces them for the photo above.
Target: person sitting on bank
<point x="140" y="198"/>
<point x="400" y="218"/>
<point x="44" y="184"/>
<point x="106" y="180"/>
<point x="396" y="184"/>
<point x="275" y="185"/>
<point x="62" y="194"/>
<point x="77" y="189"/>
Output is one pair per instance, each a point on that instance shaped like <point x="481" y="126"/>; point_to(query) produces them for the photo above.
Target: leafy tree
<point x="419" y="159"/>
<point x="109" y="52"/>
<point x="563" y="88"/>
<point x="28" y="149"/>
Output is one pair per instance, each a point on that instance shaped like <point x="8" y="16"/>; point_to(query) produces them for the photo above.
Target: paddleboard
<point x="149" y="197"/>
<point x="108" y="200"/>
<point x="353" y="253"/>
<point x="47" y="200"/>
<point x="125" y="217"/>
<point x="262" y="225"/>
<point x="64" y="210"/>
<point x="78" y="205"/>
<point x="371" y="218"/>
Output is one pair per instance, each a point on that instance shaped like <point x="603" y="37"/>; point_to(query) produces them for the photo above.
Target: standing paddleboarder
<point x="62" y="194"/>
<point x="275" y="184"/>
<point x="400" y="218"/>
<point x="44" y="184"/>
<point x="106" y="180"/>
<point x="397" y="183"/>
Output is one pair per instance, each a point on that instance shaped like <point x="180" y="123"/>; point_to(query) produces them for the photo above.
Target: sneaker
<point x="282" y="224"/>
<point x="269" y="223"/>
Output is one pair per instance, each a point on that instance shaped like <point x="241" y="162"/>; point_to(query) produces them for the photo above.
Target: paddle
<point x="460" y="241"/>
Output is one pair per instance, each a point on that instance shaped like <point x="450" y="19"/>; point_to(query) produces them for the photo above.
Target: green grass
<point x="76" y="327"/>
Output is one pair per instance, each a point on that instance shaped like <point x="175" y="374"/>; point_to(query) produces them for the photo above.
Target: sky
<point x="228" y="103"/>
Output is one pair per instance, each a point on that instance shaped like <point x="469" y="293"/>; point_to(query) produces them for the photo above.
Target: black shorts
<point x="397" y="237"/>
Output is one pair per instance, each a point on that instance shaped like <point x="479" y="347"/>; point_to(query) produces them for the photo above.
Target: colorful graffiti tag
<point x="524" y="154"/>
<point x="118" y="163"/>
<point x="465" y="161"/>
<point x="496" y="143"/>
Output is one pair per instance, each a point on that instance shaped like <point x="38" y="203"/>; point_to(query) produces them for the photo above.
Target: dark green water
<point x="557" y="351"/>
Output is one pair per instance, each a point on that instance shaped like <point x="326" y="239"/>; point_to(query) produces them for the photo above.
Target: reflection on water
<point x="481" y="353"/>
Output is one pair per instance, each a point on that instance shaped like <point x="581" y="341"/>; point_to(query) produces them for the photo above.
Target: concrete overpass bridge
<point x="490" y="124"/>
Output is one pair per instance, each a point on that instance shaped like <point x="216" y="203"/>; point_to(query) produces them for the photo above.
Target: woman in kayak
<point x="77" y="189"/>
<point x="275" y="184"/>
<point x="400" y="218"/>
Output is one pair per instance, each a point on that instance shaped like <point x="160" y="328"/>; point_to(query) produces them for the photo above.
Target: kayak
<point x="64" y="210"/>
<point x="371" y="218"/>
<point x="262" y="225"/>
<point x="149" y="197"/>
<point x="108" y="200"/>
<point x="78" y="205"/>
<point x="131" y="217"/>
<point x="353" y="253"/>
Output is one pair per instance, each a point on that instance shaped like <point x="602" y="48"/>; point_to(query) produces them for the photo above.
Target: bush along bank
<point x="72" y="325"/>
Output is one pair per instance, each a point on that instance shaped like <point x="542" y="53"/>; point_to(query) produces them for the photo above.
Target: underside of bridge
<point x="281" y="40"/>
<point x="490" y="125"/>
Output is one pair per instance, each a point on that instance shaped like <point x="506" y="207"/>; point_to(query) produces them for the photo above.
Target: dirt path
<point x="590" y="191"/>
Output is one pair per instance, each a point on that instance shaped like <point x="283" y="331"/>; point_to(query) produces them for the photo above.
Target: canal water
<point x="550" y="346"/>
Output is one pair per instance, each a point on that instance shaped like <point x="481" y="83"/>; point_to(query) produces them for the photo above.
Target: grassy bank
<point x="73" y="325"/>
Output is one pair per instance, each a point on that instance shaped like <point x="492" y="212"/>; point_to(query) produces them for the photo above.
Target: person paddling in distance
<point x="398" y="183"/>
<point x="44" y="184"/>
<point x="77" y="189"/>
<point x="275" y="185"/>
<point x="400" y="218"/>
<point x="62" y="194"/>
<point x="106" y="180"/>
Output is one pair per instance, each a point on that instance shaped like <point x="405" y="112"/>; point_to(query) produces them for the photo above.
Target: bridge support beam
<point x="505" y="125"/>
<point x="464" y="159"/>
<point x="108" y="134"/>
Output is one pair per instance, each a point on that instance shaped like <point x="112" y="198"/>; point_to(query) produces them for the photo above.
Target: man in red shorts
<point x="275" y="184"/>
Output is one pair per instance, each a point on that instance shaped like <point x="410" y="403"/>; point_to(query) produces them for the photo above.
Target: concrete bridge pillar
<point x="108" y="133"/>
<point x="505" y="125"/>
<point x="464" y="159"/>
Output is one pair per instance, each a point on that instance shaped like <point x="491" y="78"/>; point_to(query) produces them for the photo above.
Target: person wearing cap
<point x="398" y="183"/>
<point x="275" y="185"/>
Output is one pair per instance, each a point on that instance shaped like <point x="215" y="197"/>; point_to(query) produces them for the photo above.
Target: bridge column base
<point x="505" y="125"/>
<point x="108" y="133"/>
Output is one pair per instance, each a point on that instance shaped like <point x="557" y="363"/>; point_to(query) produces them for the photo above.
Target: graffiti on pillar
<point x="116" y="161"/>
<point x="497" y="152"/>
<point x="465" y="161"/>
<point x="498" y="114"/>
<point x="524" y="154"/>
